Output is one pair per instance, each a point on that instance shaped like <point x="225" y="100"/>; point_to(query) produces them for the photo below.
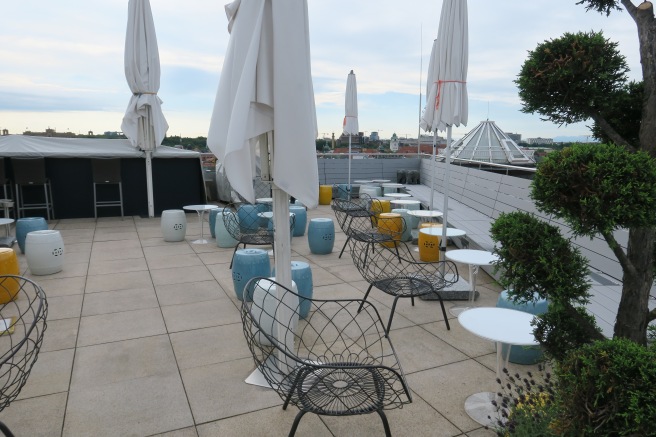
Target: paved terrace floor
<point x="144" y="338"/>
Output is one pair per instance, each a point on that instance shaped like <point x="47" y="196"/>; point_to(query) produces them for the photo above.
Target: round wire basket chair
<point x="23" y="314"/>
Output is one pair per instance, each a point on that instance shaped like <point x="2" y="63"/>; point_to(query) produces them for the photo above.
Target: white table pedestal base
<point x="256" y="378"/>
<point x="479" y="406"/>
<point x="456" y="310"/>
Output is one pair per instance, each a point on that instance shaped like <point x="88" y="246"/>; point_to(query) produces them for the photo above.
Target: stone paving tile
<point x="145" y="338"/>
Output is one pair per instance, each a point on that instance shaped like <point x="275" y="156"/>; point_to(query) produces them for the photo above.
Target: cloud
<point x="68" y="56"/>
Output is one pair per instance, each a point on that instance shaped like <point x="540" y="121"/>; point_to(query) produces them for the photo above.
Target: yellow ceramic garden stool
<point x="325" y="194"/>
<point x="390" y="223"/>
<point x="429" y="243"/>
<point x="8" y="266"/>
<point x="379" y="206"/>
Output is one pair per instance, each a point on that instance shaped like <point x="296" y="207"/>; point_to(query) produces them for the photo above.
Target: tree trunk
<point x="633" y="310"/>
<point x="644" y="18"/>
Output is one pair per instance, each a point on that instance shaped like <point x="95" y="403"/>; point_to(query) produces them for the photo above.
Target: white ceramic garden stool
<point x="174" y="225"/>
<point x="44" y="251"/>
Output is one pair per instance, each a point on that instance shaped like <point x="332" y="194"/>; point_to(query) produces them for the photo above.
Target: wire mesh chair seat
<point x="335" y="362"/>
<point x="22" y="324"/>
<point x="396" y="272"/>
<point x="244" y="223"/>
<point x="357" y="220"/>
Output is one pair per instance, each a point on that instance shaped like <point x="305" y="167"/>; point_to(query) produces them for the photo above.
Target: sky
<point x="61" y="62"/>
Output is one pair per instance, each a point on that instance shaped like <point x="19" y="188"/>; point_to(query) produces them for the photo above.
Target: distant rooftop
<point x="487" y="143"/>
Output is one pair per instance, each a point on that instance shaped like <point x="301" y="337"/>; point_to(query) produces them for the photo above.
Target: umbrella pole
<point x="282" y="249"/>
<point x="150" y="139"/>
<point x="446" y="189"/>
<point x="348" y="186"/>
<point x="282" y="236"/>
<point x="149" y="178"/>
<point x="430" y="207"/>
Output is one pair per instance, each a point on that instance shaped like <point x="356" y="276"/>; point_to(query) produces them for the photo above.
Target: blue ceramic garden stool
<point x="321" y="236"/>
<point x="28" y="224"/>
<point x="343" y="192"/>
<point x="214" y="214"/>
<point x="300" y="220"/>
<point x="407" y="231"/>
<point x="223" y="237"/>
<point x="249" y="221"/>
<point x="248" y="264"/>
<point x="523" y="354"/>
<point x="302" y="277"/>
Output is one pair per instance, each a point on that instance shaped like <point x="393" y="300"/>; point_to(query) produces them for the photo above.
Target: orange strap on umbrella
<point x="439" y="89"/>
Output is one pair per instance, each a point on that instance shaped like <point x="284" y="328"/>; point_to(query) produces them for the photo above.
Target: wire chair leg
<point x="383" y="417"/>
<point x="365" y="297"/>
<point x="446" y="319"/>
<point x="5" y="430"/>
<point x="296" y="422"/>
<point x="233" y="255"/>
<point x="344" y="247"/>
<point x="389" y="324"/>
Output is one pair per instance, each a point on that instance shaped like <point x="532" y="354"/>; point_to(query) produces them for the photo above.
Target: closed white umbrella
<point x="265" y="94"/>
<point x="446" y="102"/>
<point x="426" y="122"/>
<point x="144" y="123"/>
<point x="351" y="116"/>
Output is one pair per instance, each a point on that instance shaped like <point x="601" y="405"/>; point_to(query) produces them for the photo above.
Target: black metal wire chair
<point x="335" y="362"/>
<point x="245" y="223"/>
<point x="357" y="220"/>
<point x="23" y="311"/>
<point x="396" y="272"/>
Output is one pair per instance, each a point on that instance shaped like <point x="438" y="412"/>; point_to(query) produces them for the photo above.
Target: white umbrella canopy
<point x="446" y="98"/>
<point x="265" y="86"/>
<point x="446" y="102"/>
<point x="144" y="123"/>
<point x="265" y="94"/>
<point x="426" y="121"/>
<point x="351" y="115"/>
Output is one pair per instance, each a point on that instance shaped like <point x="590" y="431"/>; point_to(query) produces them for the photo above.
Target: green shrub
<point x="607" y="388"/>
<point x="563" y="329"/>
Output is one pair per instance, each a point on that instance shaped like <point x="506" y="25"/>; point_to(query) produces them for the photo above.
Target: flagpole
<point x="421" y="66"/>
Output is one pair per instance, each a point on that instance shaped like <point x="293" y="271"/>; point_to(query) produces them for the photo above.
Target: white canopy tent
<point x="23" y="146"/>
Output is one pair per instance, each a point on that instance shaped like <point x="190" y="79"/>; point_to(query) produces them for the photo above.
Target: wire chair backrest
<point x="22" y="324"/>
<point x="359" y="222"/>
<point x="396" y="269"/>
<point x="247" y="224"/>
<point x="334" y="336"/>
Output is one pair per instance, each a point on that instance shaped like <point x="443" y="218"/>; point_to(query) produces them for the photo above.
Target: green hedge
<point x="608" y="388"/>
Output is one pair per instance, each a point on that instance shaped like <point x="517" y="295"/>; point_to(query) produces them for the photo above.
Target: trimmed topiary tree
<point x="582" y="77"/>
<point x="596" y="190"/>
<point x="536" y="258"/>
